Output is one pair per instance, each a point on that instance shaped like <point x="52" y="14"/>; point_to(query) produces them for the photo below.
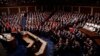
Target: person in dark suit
<point x="23" y="21"/>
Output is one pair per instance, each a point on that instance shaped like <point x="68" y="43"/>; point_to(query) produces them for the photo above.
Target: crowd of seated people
<point x="58" y="20"/>
<point x="62" y="27"/>
<point x="75" y="43"/>
<point x="67" y="23"/>
<point x="13" y="22"/>
<point x="93" y="21"/>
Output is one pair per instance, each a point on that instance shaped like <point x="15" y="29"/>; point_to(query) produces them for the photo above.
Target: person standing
<point x="23" y="21"/>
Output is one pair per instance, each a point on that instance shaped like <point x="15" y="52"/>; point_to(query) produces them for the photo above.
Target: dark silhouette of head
<point x="25" y="14"/>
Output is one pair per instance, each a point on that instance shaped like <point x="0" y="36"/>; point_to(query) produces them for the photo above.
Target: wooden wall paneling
<point x="13" y="10"/>
<point x="3" y="10"/>
<point x="96" y="10"/>
<point x="86" y="10"/>
<point x="23" y="9"/>
<point x="75" y="9"/>
<point x="31" y="9"/>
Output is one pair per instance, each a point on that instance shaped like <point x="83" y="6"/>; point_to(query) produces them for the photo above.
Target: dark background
<point x="49" y="2"/>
